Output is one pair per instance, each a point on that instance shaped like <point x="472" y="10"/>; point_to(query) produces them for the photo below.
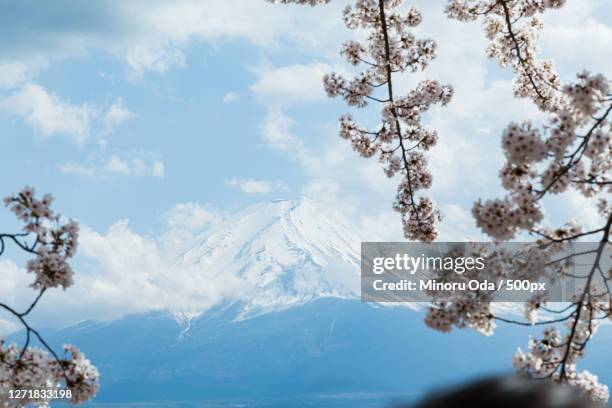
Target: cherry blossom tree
<point x="40" y="371"/>
<point x="401" y="139"/>
<point x="571" y="151"/>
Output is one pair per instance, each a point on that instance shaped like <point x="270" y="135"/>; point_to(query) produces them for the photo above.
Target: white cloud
<point x="117" y="114"/>
<point x="566" y="42"/>
<point x="152" y="35"/>
<point x="119" y="272"/>
<point x="578" y="36"/>
<point x="572" y="205"/>
<point x="154" y="57"/>
<point x="383" y="225"/>
<point x="13" y="278"/>
<point x="142" y="164"/>
<point x="12" y="74"/>
<point x="458" y="225"/>
<point x="48" y="114"/>
<point x="276" y="131"/>
<point x="191" y="216"/>
<point x="277" y="134"/>
<point x="184" y="222"/>
<point x="78" y="170"/>
<point x="117" y="165"/>
<point x="291" y="83"/>
<point x="231" y="97"/>
<point x="14" y="291"/>
<point x="257" y="186"/>
<point x="82" y="170"/>
<point x="130" y="273"/>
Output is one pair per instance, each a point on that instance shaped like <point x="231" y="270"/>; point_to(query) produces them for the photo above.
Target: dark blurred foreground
<point x="507" y="392"/>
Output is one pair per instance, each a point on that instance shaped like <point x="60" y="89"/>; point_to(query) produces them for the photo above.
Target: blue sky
<point x="178" y="118"/>
<point x="131" y="110"/>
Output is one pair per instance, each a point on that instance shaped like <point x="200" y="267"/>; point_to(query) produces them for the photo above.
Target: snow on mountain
<point x="184" y="320"/>
<point x="285" y="252"/>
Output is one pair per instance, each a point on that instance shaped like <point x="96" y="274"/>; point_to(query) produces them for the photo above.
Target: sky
<point x="149" y="120"/>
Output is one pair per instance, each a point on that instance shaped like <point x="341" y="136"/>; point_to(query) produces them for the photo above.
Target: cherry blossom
<point x="513" y="28"/>
<point x="572" y="150"/>
<point x="54" y="242"/>
<point x="400" y="140"/>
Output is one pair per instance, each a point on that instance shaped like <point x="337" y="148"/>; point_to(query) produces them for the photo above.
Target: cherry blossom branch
<point x="579" y="152"/>
<point x="529" y="324"/>
<point x="30" y="330"/>
<point x="517" y="49"/>
<point x="514" y="44"/>
<point x="54" y="243"/>
<point x="401" y="139"/>
<point x="389" y="81"/>
<point x="14" y="238"/>
<point x="566" y="238"/>
<point x="541" y="162"/>
<point x="33" y="305"/>
<point x="581" y="303"/>
<point x="565" y="309"/>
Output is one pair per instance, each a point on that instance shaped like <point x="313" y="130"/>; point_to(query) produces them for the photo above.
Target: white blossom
<point x="401" y="139"/>
<point x="31" y="368"/>
<point x="55" y="241"/>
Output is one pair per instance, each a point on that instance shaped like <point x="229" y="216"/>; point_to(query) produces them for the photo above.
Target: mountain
<point x="337" y="349"/>
<point x="280" y="253"/>
<point x="298" y="336"/>
<point x="325" y="353"/>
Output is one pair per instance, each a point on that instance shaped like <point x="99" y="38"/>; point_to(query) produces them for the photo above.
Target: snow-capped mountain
<point x="329" y="352"/>
<point x="279" y="253"/>
<point x="307" y="341"/>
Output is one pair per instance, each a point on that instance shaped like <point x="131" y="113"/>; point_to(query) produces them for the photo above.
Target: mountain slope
<point x="283" y="252"/>
<point x="298" y="334"/>
<point x="324" y="347"/>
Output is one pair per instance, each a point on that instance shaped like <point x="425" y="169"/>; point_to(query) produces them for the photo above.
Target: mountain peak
<point x="280" y="253"/>
<point x="282" y="205"/>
